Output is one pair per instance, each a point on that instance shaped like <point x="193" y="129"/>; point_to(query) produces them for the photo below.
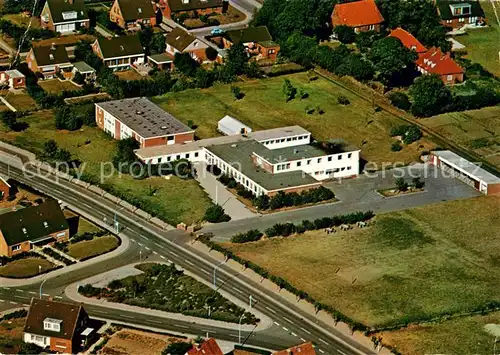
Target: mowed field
<point x="405" y="266"/>
<point x="470" y="127"/>
<point x="175" y="200"/>
<point x="264" y="107"/>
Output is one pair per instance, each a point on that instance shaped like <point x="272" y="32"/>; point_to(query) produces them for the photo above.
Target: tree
<point x="429" y="95"/>
<point x="135" y="286"/>
<point x="401" y="184"/>
<point x="50" y="148"/>
<point x="236" y="90"/>
<point x="203" y="78"/>
<point x="358" y="67"/>
<point x="392" y="60"/>
<point x="289" y="90"/>
<point x="412" y="134"/>
<point x="300" y="49"/>
<point x="157" y="43"/>
<point x="210" y="52"/>
<point x="364" y="40"/>
<point x="344" y="33"/>
<point x="145" y="36"/>
<point x="79" y="78"/>
<point x="178" y="348"/>
<point x="63" y="155"/>
<point x="66" y="119"/>
<point x="418" y="183"/>
<point x="124" y="153"/>
<point x="185" y="63"/>
<point x="400" y="100"/>
<point x="252" y="70"/>
<point x="216" y="214"/>
<point x="237" y="59"/>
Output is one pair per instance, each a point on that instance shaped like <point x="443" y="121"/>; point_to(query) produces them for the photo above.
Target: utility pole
<point x="215" y="269"/>
<point x="41" y="285"/>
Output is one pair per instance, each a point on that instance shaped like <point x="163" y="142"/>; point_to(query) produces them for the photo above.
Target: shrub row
<point x="20" y="313"/>
<point x="87" y="236"/>
<point x="29" y="254"/>
<point x="58" y="256"/>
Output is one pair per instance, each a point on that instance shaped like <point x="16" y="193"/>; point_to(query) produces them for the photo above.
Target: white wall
<point x="291" y="141"/>
<point x="193" y="156"/>
<point x="39" y="340"/>
<point x="109" y="123"/>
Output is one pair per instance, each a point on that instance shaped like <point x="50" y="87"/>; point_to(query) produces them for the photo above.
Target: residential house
<point x="50" y="61"/>
<point x="362" y="15"/>
<point x="408" y="40"/>
<point x="130" y="14"/>
<point x="143" y="120"/>
<point x="25" y="228"/>
<point x="458" y="13"/>
<point x="207" y="347"/>
<point x="59" y="326"/>
<point x="179" y="41"/>
<point x="434" y="61"/>
<point x="175" y="8"/>
<point x="119" y="53"/>
<point x="64" y="16"/>
<point x="5" y="188"/>
<point x="13" y="78"/>
<point x="88" y="73"/>
<point x="257" y="40"/>
<point x="162" y="61"/>
<point x="302" y="349"/>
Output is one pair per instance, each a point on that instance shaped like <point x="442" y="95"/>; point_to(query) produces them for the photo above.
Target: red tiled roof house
<point x="302" y="349"/>
<point x="362" y="15"/>
<point x="208" y="347"/>
<point x="434" y="61"/>
<point x="408" y="40"/>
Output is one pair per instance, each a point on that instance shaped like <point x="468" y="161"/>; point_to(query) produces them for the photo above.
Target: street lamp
<point x="41" y="285"/>
<point x="140" y="256"/>
<point x="215" y="269"/>
<point x="117" y="230"/>
<point x="39" y="269"/>
<point x="241" y="318"/>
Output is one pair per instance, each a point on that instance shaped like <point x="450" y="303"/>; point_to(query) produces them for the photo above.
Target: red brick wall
<point x="30" y="60"/>
<point x="99" y="117"/>
<point x="265" y="52"/>
<point x="366" y="28"/>
<point x="117" y="129"/>
<point x="19" y="83"/>
<point x="4" y="190"/>
<point x="456" y="78"/>
<point x="61" y="345"/>
<point x="456" y="24"/>
<point x="95" y="48"/>
<point x="265" y="165"/>
<point x="493" y="189"/>
<point x="184" y="137"/>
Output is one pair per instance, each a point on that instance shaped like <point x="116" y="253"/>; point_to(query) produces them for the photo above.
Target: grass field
<point x="27" y="267"/>
<point x="470" y="127"/>
<point x="69" y="39"/>
<point x="21" y="102"/>
<point x="458" y="336"/>
<point x="483" y="44"/>
<point x="407" y="265"/>
<point x="85" y="226"/>
<point x="89" y="248"/>
<point x="130" y="74"/>
<point x="175" y="200"/>
<point x="264" y="107"/>
<point x="55" y="86"/>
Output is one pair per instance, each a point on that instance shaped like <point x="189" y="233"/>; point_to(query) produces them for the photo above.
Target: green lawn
<point x="483" y="44"/>
<point x="55" y="86"/>
<point x="85" y="226"/>
<point x="407" y="265"/>
<point x="264" y="107"/>
<point x="175" y="200"/>
<point x="23" y="268"/>
<point x="21" y="102"/>
<point x="89" y="248"/>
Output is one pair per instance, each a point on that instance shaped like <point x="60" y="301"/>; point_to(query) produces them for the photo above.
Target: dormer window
<point x="25" y="231"/>
<point x="51" y="56"/>
<point x="45" y="224"/>
<point x="139" y="10"/>
<point x="69" y="15"/>
<point x="460" y="9"/>
<point x="52" y="324"/>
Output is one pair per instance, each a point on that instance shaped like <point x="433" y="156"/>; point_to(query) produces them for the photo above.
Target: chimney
<point x="71" y="2"/>
<point x="185" y="1"/>
<point x="53" y="46"/>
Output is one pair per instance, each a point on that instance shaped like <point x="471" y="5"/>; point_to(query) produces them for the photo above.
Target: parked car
<point x="217" y="31"/>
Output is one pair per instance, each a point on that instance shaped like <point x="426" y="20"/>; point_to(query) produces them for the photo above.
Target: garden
<point x="166" y="288"/>
<point x="25" y="265"/>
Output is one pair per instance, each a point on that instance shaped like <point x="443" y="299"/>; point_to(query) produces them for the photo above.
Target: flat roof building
<point x="143" y="120"/>
<point x="230" y="126"/>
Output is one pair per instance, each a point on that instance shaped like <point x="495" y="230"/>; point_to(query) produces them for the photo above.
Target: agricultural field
<point x="263" y="106"/>
<point x="175" y="200"/>
<point x="26" y="267"/>
<point x="478" y="130"/>
<point x="406" y="266"/>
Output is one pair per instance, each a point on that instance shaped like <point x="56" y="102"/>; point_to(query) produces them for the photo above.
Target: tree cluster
<point x="216" y="214"/>
<point x="52" y="152"/>
<point x="18" y="33"/>
<point x="9" y="119"/>
<point x="74" y="117"/>
<point x="409" y="133"/>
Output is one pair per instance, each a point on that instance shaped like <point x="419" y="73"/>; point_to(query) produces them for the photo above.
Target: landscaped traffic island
<point x="166" y="288"/>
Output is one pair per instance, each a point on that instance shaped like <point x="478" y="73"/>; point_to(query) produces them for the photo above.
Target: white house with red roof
<point x="362" y="15"/>
<point x="408" y="40"/>
<point x="434" y="61"/>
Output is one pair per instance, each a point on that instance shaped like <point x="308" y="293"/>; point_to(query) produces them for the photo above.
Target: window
<point x="342" y="169"/>
<point x="16" y="247"/>
<point x="449" y="77"/>
<point x="287" y="166"/>
<point x="319" y="160"/>
<point x="177" y="156"/>
<point x="196" y="155"/>
<point x="372" y="28"/>
<point x="170" y="138"/>
<point x="340" y="157"/>
<point x="299" y="163"/>
<point x="449" y="21"/>
<point x="348" y="168"/>
<point x="187" y="155"/>
<point x="288" y="139"/>
<point x="169" y="158"/>
<point x="159" y="160"/>
<point x="309" y="162"/>
<point x="349" y="155"/>
<point x="294" y="138"/>
<point x="461" y="19"/>
<point x="329" y="158"/>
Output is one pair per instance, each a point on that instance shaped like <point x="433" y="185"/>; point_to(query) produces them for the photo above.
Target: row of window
<point x="332" y="171"/>
<point x="177" y="157"/>
<point x="283" y="166"/>
<point x="282" y="140"/>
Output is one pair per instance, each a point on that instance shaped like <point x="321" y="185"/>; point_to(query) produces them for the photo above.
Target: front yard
<point x="20" y="101"/>
<point x="11" y="335"/>
<point x="25" y="268"/>
<point x="89" y="248"/>
<point x="56" y="86"/>
<point x="230" y="16"/>
<point x="130" y="74"/>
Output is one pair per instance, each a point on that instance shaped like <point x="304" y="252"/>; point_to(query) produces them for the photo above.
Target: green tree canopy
<point x="429" y="95"/>
<point x="345" y="34"/>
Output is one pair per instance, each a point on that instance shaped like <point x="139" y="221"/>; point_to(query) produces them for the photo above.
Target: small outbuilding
<point x="85" y="70"/>
<point x="231" y="126"/>
<point x="466" y="171"/>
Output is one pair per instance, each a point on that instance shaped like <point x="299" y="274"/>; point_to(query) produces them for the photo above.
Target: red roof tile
<point x="356" y="14"/>
<point x="436" y="62"/>
<point x="208" y="347"/>
<point x="302" y="349"/>
<point x="408" y="40"/>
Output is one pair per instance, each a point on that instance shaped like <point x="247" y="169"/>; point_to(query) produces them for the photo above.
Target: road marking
<point x="343" y="353"/>
<point x="237" y="290"/>
<point x="158" y="245"/>
<point x="46" y="295"/>
<point x="32" y="292"/>
<point x="142" y="236"/>
<point x="209" y="331"/>
<point x="132" y="241"/>
<point x="294" y="334"/>
<point x="1" y="300"/>
<point x="303" y="340"/>
<point x="277" y="324"/>
<point x="170" y="261"/>
<point x="99" y="312"/>
<point x="161" y="256"/>
<point x="305" y="330"/>
<point x="59" y="297"/>
<point x="270" y="309"/>
<point x="12" y="302"/>
<point x="187" y="261"/>
<point x="26" y="305"/>
<point x="22" y="297"/>
<point x="321" y="351"/>
<point x="324" y="342"/>
<point x="155" y="321"/>
<point x="205" y="271"/>
<point x="171" y="252"/>
<point x="180" y="326"/>
<point x="139" y="244"/>
<point x="234" y="335"/>
<point x="155" y="253"/>
<point x="18" y="290"/>
<point x="288" y="320"/>
<point x="147" y="248"/>
<point x="124" y="316"/>
<point x="285" y="329"/>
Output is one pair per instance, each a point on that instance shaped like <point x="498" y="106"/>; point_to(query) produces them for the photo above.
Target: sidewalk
<point x="103" y="279"/>
<point x="220" y="195"/>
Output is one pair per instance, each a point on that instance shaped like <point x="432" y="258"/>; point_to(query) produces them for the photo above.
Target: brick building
<point x="130" y="14"/>
<point x="119" y="53"/>
<point x="362" y="15"/>
<point x="60" y="326"/>
<point x="257" y="41"/>
<point x="14" y="78"/>
<point x="50" y="61"/>
<point x="5" y="188"/>
<point x="456" y="14"/>
<point x="143" y="120"/>
<point x="408" y="40"/>
<point x="434" y="61"/>
<point x="179" y="41"/>
<point x="31" y="226"/>
<point x="64" y="16"/>
<point x="175" y="8"/>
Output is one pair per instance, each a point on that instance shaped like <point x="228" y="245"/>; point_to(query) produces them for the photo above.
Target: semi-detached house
<point x="179" y="41"/>
<point x="456" y="14"/>
<point x="119" y="53"/>
<point x="64" y="16"/>
<point x="143" y="120"/>
<point x="130" y="14"/>
<point x="49" y="61"/>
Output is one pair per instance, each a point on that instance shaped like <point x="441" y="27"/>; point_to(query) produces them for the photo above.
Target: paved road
<point x="292" y="324"/>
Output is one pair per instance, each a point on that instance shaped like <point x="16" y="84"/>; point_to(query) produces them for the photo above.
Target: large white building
<point x="265" y="162"/>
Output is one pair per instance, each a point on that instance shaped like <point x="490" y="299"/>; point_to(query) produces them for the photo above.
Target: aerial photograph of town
<point x="250" y="177"/>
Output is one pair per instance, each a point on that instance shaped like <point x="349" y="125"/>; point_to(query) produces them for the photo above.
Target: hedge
<point x="58" y="256"/>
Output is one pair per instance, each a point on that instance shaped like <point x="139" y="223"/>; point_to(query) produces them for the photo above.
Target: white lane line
<point x="158" y="245"/>
<point x="18" y="290"/>
<point x="205" y="271"/>
<point x="100" y="312"/>
<point x="155" y="321"/>
<point x="295" y="335"/>
<point x="147" y="248"/>
<point x="124" y="316"/>
<point x="303" y="340"/>
<point x="343" y="353"/>
<point x="234" y="335"/>
<point x="155" y="253"/>
<point x="237" y="290"/>
<point x="59" y="297"/>
<point x="161" y="256"/>
<point x="139" y="244"/>
<point x="171" y="252"/>
<point x="32" y="292"/>
<point x="270" y="309"/>
<point x="2" y="301"/>
<point x="321" y="351"/>
<point x="324" y="342"/>
<point x="142" y="236"/>
<point x="170" y="261"/>
<point x="22" y="297"/>
<point x="288" y="320"/>
<point x="285" y="329"/>
<point x="187" y="261"/>
<point x="305" y="330"/>
<point x="277" y="324"/>
<point x="46" y="295"/>
<point x="12" y="302"/>
<point x="180" y="326"/>
<point x="132" y="241"/>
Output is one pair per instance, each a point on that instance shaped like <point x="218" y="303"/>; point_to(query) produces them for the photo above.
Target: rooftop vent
<point x="163" y="127"/>
<point x="234" y="145"/>
<point x="45" y="224"/>
<point x="177" y="38"/>
<point x="122" y="48"/>
<point x="139" y="10"/>
<point x="25" y="231"/>
<point x="138" y="112"/>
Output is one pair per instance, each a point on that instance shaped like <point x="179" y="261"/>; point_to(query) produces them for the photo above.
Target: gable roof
<point x="436" y="62"/>
<point x="356" y="14"/>
<point x="39" y="310"/>
<point x="208" y="347"/>
<point x="408" y="40"/>
<point x="136" y="9"/>
<point x="179" y="5"/>
<point x="445" y="13"/>
<point x="179" y="39"/>
<point x="120" y="46"/>
<point x="57" y="7"/>
<point x="51" y="55"/>
<point x="33" y="222"/>
<point x="302" y="349"/>
<point x="249" y="34"/>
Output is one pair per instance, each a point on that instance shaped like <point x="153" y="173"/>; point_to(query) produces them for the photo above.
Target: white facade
<point x="230" y="126"/>
<point x="39" y="340"/>
<point x="284" y="142"/>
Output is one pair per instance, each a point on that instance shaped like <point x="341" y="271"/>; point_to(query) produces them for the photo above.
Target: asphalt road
<point x="291" y="324"/>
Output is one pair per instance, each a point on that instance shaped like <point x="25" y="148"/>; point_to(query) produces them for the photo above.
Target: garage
<point x="468" y="172"/>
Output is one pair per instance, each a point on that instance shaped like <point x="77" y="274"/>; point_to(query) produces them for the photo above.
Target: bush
<point x="408" y="133"/>
<point x="396" y="146"/>
<point x="289" y="90"/>
<point x="179" y="348"/>
<point x="343" y="100"/>
<point x="216" y="214"/>
<point x="418" y="183"/>
<point x="400" y="100"/>
<point x="57" y="256"/>
<point x="236" y="91"/>
<point x="250" y="236"/>
<point x="282" y="199"/>
<point x="401" y="184"/>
